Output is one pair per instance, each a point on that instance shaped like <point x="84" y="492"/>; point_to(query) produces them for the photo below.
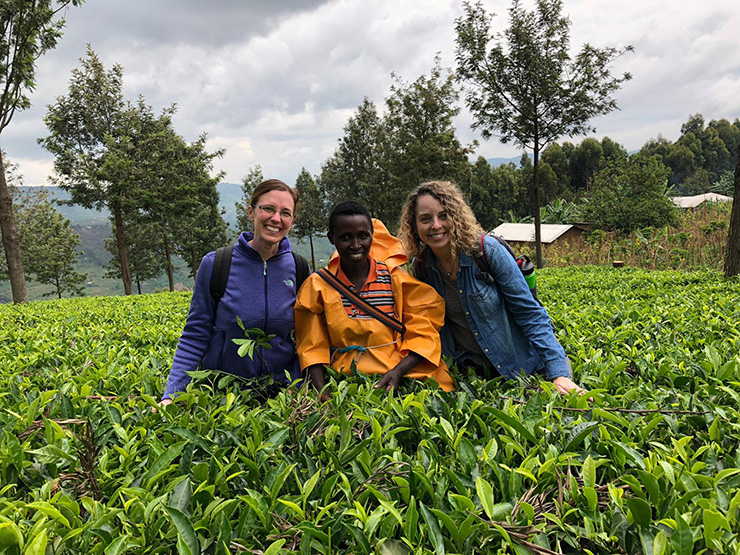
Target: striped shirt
<point x="376" y="291"/>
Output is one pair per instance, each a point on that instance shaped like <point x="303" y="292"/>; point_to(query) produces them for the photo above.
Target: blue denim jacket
<point x="512" y="329"/>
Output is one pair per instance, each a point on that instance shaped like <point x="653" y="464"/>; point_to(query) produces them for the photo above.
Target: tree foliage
<point x="147" y="262"/>
<point x="357" y="170"/>
<point x="631" y="195"/>
<point x="253" y="178"/>
<point x="312" y="217"/>
<point x="421" y="142"/>
<point x="702" y="155"/>
<point x="48" y="243"/>
<point x="199" y="227"/>
<point x="379" y="160"/>
<point x="123" y="156"/>
<point x="28" y="29"/>
<point x="526" y="88"/>
<point x="83" y="126"/>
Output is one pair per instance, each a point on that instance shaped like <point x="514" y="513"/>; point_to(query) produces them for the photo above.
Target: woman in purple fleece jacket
<point x="261" y="290"/>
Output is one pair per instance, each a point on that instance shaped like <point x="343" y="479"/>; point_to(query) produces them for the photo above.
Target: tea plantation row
<point x="651" y="466"/>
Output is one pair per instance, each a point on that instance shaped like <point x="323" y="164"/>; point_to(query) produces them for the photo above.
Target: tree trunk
<point x="11" y="241"/>
<point x="138" y="285"/>
<point x="59" y="288"/>
<point x="313" y="258"/>
<point x="194" y="267"/>
<point x="122" y="249"/>
<point x="732" y="256"/>
<point x="168" y="257"/>
<point x="536" y="208"/>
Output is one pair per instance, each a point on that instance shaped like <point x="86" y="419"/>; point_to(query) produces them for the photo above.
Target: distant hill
<point x="496" y="162"/>
<point x="229" y="193"/>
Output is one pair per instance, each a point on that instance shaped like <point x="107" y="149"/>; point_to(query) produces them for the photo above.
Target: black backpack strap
<point x="356" y="300"/>
<point x="301" y="269"/>
<point x="220" y="274"/>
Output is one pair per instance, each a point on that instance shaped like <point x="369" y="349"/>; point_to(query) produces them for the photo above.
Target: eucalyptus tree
<point x="48" y="243"/>
<point x="249" y="183"/>
<point x="421" y="140"/>
<point x="146" y="259"/>
<point x="312" y="214"/>
<point x="380" y="159"/>
<point x="50" y="246"/>
<point x="28" y="29"/>
<point x="83" y="127"/>
<point x="356" y="170"/>
<point x="170" y="186"/>
<point x="197" y="221"/>
<point x="526" y="88"/>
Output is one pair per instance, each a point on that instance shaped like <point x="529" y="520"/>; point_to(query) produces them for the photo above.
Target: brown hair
<point x="274" y="185"/>
<point x="465" y="230"/>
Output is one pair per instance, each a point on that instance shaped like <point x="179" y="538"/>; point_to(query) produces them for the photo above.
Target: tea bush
<point x="651" y="466"/>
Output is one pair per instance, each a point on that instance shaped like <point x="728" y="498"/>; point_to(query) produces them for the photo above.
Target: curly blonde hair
<point x="465" y="229"/>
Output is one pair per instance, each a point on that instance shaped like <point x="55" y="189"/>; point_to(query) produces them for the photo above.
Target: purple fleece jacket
<point x="262" y="294"/>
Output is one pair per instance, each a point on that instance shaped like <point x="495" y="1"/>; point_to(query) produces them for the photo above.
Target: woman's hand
<point x="163" y="403"/>
<point x="565" y="385"/>
<point x="392" y="378"/>
<point x="316" y="377"/>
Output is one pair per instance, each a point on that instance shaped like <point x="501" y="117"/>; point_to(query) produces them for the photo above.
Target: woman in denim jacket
<point x="495" y="325"/>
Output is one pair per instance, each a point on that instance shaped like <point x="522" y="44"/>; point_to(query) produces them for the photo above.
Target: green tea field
<point x="650" y="466"/>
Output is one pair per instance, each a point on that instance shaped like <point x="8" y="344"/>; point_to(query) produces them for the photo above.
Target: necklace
<point x="452" y="267"/>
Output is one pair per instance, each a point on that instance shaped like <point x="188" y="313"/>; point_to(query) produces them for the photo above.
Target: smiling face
<point x="432" y="223"/>
<point x="272" y="216"/>
<point x="352" y="236"/>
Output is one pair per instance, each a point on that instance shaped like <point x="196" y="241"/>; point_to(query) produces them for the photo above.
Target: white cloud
<point x="275" y="82"/>
<point x="34" y="171"/>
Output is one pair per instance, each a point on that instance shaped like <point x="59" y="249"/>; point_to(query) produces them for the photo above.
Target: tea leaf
<point x="185" y="530"/>
<point x="485" y="494"/>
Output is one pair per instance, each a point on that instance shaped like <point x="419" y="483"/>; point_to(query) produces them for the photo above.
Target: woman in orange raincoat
<point x="333" y="331"/>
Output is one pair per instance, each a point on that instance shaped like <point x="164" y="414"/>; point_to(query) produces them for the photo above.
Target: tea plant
<point x="651" y="466"/>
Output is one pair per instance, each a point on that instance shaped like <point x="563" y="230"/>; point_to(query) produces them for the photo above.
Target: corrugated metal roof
<point x="696" y="200"/>
<point x="524" y="233"/>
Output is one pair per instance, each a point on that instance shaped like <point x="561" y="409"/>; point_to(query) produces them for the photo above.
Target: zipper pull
<point x="264" y="268"/>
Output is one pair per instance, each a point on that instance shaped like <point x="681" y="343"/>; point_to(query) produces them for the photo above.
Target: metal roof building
<point x="524" y="233"/>
<point x="696" y="200"/>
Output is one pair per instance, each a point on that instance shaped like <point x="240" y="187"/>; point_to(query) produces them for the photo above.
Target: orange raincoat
<point x="324" y="329"/>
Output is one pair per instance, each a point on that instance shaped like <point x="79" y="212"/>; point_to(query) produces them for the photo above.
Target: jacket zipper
<point x="267" y="316"/>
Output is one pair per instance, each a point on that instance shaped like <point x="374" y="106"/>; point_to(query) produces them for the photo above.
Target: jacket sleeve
<point x="529" y="315"/>
<point x="423" y="314"/>
<point x="197" y="333"/>
<point x="311" y="334"/>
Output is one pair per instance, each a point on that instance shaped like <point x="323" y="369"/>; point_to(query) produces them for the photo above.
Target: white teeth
<point x="270" y="228"/>
<point x="356" y="256"/>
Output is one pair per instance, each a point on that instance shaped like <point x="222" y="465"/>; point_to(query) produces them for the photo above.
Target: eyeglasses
<point x="270" y="210"/>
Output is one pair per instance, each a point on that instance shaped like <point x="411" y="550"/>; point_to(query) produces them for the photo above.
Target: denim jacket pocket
<point x="486" y="302"/>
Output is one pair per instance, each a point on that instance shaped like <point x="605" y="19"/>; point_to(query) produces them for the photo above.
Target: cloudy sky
<point x="274" y="81"/>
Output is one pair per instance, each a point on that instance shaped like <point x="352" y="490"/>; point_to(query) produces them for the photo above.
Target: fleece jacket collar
<point x="243" y="245"/>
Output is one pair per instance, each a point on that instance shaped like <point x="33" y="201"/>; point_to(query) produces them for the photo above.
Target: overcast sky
<point x="274" y="81"/>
